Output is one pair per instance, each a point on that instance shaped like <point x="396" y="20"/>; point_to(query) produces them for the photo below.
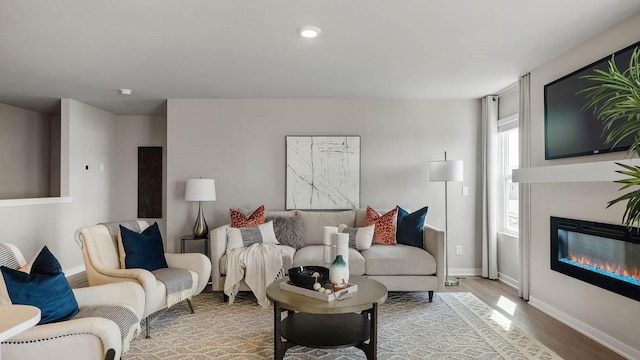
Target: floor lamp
<point x="447" y="170"/>
<point x="200" y="190"/>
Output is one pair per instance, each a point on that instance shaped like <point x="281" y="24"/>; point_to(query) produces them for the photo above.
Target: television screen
<point x="569" y="129"/>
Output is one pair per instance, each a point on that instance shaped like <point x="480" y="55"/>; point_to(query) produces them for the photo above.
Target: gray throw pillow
<point x="289" y="230"/>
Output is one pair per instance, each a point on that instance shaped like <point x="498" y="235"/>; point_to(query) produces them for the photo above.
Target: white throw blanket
<point x="259" y="265"/>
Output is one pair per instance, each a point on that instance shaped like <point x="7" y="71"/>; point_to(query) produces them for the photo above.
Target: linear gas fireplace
<point x="604" y="255"/>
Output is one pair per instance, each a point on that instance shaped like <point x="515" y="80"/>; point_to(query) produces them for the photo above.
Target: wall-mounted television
<point x="568" y="129"/>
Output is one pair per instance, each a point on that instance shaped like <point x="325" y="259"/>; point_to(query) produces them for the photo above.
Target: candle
<point x="327" y="252"/>
<point x="328" y="234"/>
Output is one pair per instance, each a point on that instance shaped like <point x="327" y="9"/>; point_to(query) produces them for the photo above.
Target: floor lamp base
<point x="451" y="282"/>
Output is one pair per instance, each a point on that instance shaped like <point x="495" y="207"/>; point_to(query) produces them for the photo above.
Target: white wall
<point x="608" y="316"/>
<point x="24" y="153"/>
<point x="130" y="133"/>
<point x="241" y="144"/>
<point x="89" y="137"/>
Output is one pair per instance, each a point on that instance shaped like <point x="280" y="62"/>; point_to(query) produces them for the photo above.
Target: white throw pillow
<point x="246" y="236"/>
<point x="360" y="238"/>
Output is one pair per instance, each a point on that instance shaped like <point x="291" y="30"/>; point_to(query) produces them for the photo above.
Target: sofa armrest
<point x="217" y="249"/>
<point x="195" y="262"/>
<point x="121" y="293"/>
<point x="50" y="338"/>
<point x="434" y="244"/>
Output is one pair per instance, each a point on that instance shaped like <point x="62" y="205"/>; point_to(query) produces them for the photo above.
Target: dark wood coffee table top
<point x="369" y="291"/>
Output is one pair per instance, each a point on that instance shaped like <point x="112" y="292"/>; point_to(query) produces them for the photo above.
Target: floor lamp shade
<point x="445" y="171"/>
<point x="200" y="190"/>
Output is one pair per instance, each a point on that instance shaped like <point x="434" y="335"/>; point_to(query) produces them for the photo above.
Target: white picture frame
<point x="322" y="172"/>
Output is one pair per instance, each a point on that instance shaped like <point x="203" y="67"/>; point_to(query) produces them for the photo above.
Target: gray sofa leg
<point x="148" y="321"/>
<point x="430" y="296"/>
<point x="190" y="306"/>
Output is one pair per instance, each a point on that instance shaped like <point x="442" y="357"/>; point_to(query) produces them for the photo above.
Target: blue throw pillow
<point x="410" y="227"/>
<point x="143" y="250"/>
<point x="45" y="287"/>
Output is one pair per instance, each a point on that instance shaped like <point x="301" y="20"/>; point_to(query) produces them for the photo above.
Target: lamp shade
<point x="200" y="190"/>
<point x="445" y="170"/>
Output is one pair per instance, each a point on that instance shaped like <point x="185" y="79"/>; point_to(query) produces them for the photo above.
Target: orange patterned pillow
<point x="239" y="219"/>
<point x="385" y="225"/>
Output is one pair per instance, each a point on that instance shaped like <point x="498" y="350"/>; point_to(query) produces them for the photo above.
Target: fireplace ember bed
<point x="600" y="254"/>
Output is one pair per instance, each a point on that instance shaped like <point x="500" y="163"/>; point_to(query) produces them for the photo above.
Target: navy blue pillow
<point x="410" y="227"/>
<point x="144" y="250"/>
<point x="45" y="287"/>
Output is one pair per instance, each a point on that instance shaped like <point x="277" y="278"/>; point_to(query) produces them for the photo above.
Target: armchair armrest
<point x="434" y="244"/>
<point x="217" y="249"/>
<point x="195" y="262"/>
<point x="59" y="337"/>
<point x="121" y="293"/>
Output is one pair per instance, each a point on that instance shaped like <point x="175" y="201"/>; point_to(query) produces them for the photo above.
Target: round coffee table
<point x="319" y="324"/>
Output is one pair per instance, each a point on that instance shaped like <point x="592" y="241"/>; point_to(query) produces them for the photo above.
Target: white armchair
<point x="100" y="252"/>
<point x="82" y="339"/>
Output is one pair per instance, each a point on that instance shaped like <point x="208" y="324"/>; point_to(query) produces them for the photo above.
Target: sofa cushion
<point x="385" y="230"/>
<point x="313" y="255"/>
<point x="247" y="236"/>
<point x="315" y="221"/>
<point x="287" y="259"/>
<point x="411" y="227"/>
<point x="143" y="250"/>
<point x="289" y="230"/>
<point x="238" y="219"/>
<point x="359" y="237"/>
<point x="45" y="287"/>
<point x="398" y="260"/>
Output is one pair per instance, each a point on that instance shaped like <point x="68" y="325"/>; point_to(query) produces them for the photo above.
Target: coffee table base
<point x="326" y="331"/>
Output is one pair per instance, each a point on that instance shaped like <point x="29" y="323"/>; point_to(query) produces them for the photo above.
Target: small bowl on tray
<point x="302" y="276"/>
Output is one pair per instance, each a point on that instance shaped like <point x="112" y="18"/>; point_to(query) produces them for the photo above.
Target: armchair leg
<point x="110" y="355"/>
<point x="190" y="306"/>
<point x="148" y="321"/>
<point x="430" y="296"/>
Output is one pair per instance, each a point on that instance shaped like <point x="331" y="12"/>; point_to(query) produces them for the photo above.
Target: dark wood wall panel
<point x="149" y="182"/>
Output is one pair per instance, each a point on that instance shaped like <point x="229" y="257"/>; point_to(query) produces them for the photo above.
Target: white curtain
<point x="489" y="186"/>
<point x="524" y="132"/>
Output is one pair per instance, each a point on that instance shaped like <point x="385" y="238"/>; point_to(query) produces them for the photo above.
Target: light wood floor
<point x="565" y="341"/>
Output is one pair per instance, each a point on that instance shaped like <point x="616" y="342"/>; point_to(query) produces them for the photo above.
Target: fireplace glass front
<point x="604" y="255"/>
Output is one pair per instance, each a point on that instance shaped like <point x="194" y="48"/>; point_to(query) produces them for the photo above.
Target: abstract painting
<point x="323" y="172"/>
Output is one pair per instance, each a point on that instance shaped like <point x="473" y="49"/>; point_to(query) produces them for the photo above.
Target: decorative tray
<point x="287" y="285"/>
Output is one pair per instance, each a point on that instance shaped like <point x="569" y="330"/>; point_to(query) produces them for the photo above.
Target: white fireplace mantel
<point x="603" y="171"/>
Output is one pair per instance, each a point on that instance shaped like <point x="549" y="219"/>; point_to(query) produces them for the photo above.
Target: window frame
<point x="505" y="125"/>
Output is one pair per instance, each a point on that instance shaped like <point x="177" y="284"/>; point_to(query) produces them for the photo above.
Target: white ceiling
<point x="381" y="49"/>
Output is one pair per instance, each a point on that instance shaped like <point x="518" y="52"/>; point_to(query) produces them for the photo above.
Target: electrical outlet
<point x="465" y="191"/>
<point x="459" y="250"/>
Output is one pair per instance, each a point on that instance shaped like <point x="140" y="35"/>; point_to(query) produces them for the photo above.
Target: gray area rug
<point x="454" y="326"/>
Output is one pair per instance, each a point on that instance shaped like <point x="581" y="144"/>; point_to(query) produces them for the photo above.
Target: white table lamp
<point x="447" y="170"/>
<point x="200" y="190"/>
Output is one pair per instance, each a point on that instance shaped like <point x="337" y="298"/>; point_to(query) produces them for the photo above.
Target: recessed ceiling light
<point x="126" y="91"/>
<point x="309" y="31"/>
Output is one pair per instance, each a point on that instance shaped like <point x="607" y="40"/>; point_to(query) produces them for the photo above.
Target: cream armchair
<point x="82" y="339"/>
<point x="101" y="259"/>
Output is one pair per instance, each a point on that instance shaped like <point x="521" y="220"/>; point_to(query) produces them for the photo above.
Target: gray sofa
<point x="398" y="267"/>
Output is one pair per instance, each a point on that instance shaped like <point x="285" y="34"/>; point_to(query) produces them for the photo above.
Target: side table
<point x="190" y="239"/>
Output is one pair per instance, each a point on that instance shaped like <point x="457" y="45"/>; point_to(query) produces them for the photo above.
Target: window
<point x="508" y="160"/>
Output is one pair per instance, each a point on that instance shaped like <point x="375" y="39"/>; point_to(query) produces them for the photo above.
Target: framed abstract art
<point x="323" y="172"/>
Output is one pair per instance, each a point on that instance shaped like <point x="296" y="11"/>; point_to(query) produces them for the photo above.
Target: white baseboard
<point x="509" y="280"/>
<point x="465" y="272"/>
<point x="587" y="330"/>
<point x="74" y="270"/>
